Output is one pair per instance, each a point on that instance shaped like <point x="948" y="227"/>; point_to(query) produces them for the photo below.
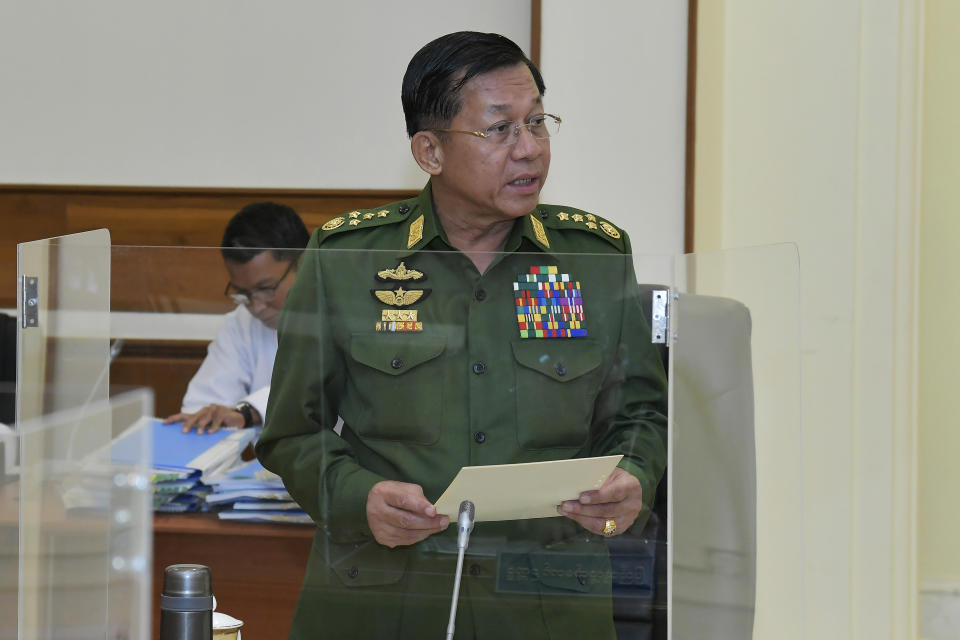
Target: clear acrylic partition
<point x="421" y="395"/>
<point x="167" y="305"/>
<point x="430" y="367"/>
<point x="81" y="549"/>
<point x="736" y="507"/>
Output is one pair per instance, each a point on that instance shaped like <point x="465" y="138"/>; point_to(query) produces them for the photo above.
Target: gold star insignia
<point x="577" y="217"/>
<point x="367" y="216"/>
<point x="591" y="218"/>
<point x="398" y="315"/>
<point x="354" y="222"/>
<point x="563" y="215"/>
<point x="383" y="213"/>
<point x="591" y="224"/>
<point x="354" y="214"/>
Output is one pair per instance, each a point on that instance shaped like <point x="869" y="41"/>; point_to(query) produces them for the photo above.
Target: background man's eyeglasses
<point x="260" y="294"/>
<point x="508" y="131"/>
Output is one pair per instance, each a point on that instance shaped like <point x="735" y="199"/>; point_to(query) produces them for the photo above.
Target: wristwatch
<point x="246" y="410"/>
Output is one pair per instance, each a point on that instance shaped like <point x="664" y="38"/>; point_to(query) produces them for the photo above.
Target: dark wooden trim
<point x="690" y="163"/>
<point x="535" y="31"/>
<point x="209" y="524"/>
<point x="164" y="349"/>
<point x="142" y="215"/>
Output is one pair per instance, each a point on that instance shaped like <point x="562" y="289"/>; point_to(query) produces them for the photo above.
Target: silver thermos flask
<point x="186" y="603"/>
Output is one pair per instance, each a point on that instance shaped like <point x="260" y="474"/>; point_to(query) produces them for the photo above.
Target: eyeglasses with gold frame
<point x="540" y="126"/>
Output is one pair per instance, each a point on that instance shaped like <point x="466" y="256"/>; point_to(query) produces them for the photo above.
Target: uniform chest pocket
<point x="557" y="383"/>
<point x="395" y="387"/>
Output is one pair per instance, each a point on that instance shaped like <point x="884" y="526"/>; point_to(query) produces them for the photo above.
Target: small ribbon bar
<point x="399" y="327"/>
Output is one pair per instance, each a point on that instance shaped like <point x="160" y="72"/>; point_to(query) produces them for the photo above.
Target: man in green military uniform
<point x="468" y="326"/>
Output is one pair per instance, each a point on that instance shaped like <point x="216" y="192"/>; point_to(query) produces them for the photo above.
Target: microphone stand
<point x="465" y="524"/>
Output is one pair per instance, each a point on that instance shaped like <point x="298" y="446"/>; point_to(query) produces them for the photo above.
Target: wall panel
<point x="155" y="217"/>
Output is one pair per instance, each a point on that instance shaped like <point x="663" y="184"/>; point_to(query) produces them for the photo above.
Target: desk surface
<point x="257" y="569"/>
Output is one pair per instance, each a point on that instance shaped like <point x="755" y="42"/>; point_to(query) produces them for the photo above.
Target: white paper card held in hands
<point x="523" y="491"/>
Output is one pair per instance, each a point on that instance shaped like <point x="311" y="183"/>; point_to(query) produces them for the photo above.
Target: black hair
<point x="264" y="226"/>
<point x="436" y="74"/>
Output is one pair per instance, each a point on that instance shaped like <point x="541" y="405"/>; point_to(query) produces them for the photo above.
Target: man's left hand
<point x="620" y="498"/>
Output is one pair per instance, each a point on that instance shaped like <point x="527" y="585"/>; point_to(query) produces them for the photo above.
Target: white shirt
<point x="238" y="365"/>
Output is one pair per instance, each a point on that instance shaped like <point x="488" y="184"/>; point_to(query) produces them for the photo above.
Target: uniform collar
<point x="423" y="228"/>
<point x="531" y="228"/>
<point x="422" y="225"/>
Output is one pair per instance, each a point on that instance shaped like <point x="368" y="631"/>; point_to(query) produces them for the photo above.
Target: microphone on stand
<point x="465" y="526"/>
<point x="465" y="523"/>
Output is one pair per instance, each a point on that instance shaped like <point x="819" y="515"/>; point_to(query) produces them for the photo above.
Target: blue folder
<point x="171" y="447"/>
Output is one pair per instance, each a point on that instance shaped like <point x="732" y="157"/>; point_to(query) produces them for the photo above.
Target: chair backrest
<point x="713" y="490"/>
<point x="8" y="367"/>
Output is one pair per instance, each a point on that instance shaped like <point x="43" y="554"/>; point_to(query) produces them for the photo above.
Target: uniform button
<point x="396" y="363"/>
<point x="479" y="367"/>
<point x="544" y="214"/>
<point x="480" y="295"/>
<point x="480" y="437"/>
<point x="353" y="572"/>
<point x="403" y="209"/>
<point x="560" y="369"/>
<point x="474" y="570"/>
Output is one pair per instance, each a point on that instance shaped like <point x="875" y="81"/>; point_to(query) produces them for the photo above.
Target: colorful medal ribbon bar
<point x="549" y="304"/>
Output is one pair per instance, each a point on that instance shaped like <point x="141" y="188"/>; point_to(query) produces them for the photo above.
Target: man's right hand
<point x="399" y="514"/>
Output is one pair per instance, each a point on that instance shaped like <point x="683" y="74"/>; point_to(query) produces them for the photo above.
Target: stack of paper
<point x="253" y="494"/>
<point x="184" y="464"/>
<point x="493" y="488"/>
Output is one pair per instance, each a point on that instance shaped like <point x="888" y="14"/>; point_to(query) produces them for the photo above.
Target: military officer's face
<point x="265" y="281"/>
<point x="492" y="182"/>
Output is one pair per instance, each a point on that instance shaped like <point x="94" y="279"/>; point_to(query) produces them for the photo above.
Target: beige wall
<point x="807" y="132"/>
<point x="219" y="93"/>
<point x="620" y="86"/>
<point x="306" y="95"/>
<point x="939" y="472"/>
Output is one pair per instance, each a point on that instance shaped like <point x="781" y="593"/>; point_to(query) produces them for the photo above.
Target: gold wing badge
<point x="400" y="297"/>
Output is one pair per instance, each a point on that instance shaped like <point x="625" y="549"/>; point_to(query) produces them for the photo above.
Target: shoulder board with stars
<point x="365" y="219"/>
<point x="564" y="218"/>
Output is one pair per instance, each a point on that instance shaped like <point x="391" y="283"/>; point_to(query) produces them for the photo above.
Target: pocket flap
<point x="561" y="360"/>
<point x="393" y="356"/>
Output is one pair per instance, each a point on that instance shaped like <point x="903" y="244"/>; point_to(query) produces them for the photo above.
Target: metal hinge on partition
<point x="31" y="303"/>
<point x="660" y="316"/>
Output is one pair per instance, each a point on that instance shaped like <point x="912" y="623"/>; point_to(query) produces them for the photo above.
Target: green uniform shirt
<point x="432" y="373"/>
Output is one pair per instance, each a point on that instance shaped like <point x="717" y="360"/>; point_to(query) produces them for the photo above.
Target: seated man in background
<point x="261" y="250"/>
